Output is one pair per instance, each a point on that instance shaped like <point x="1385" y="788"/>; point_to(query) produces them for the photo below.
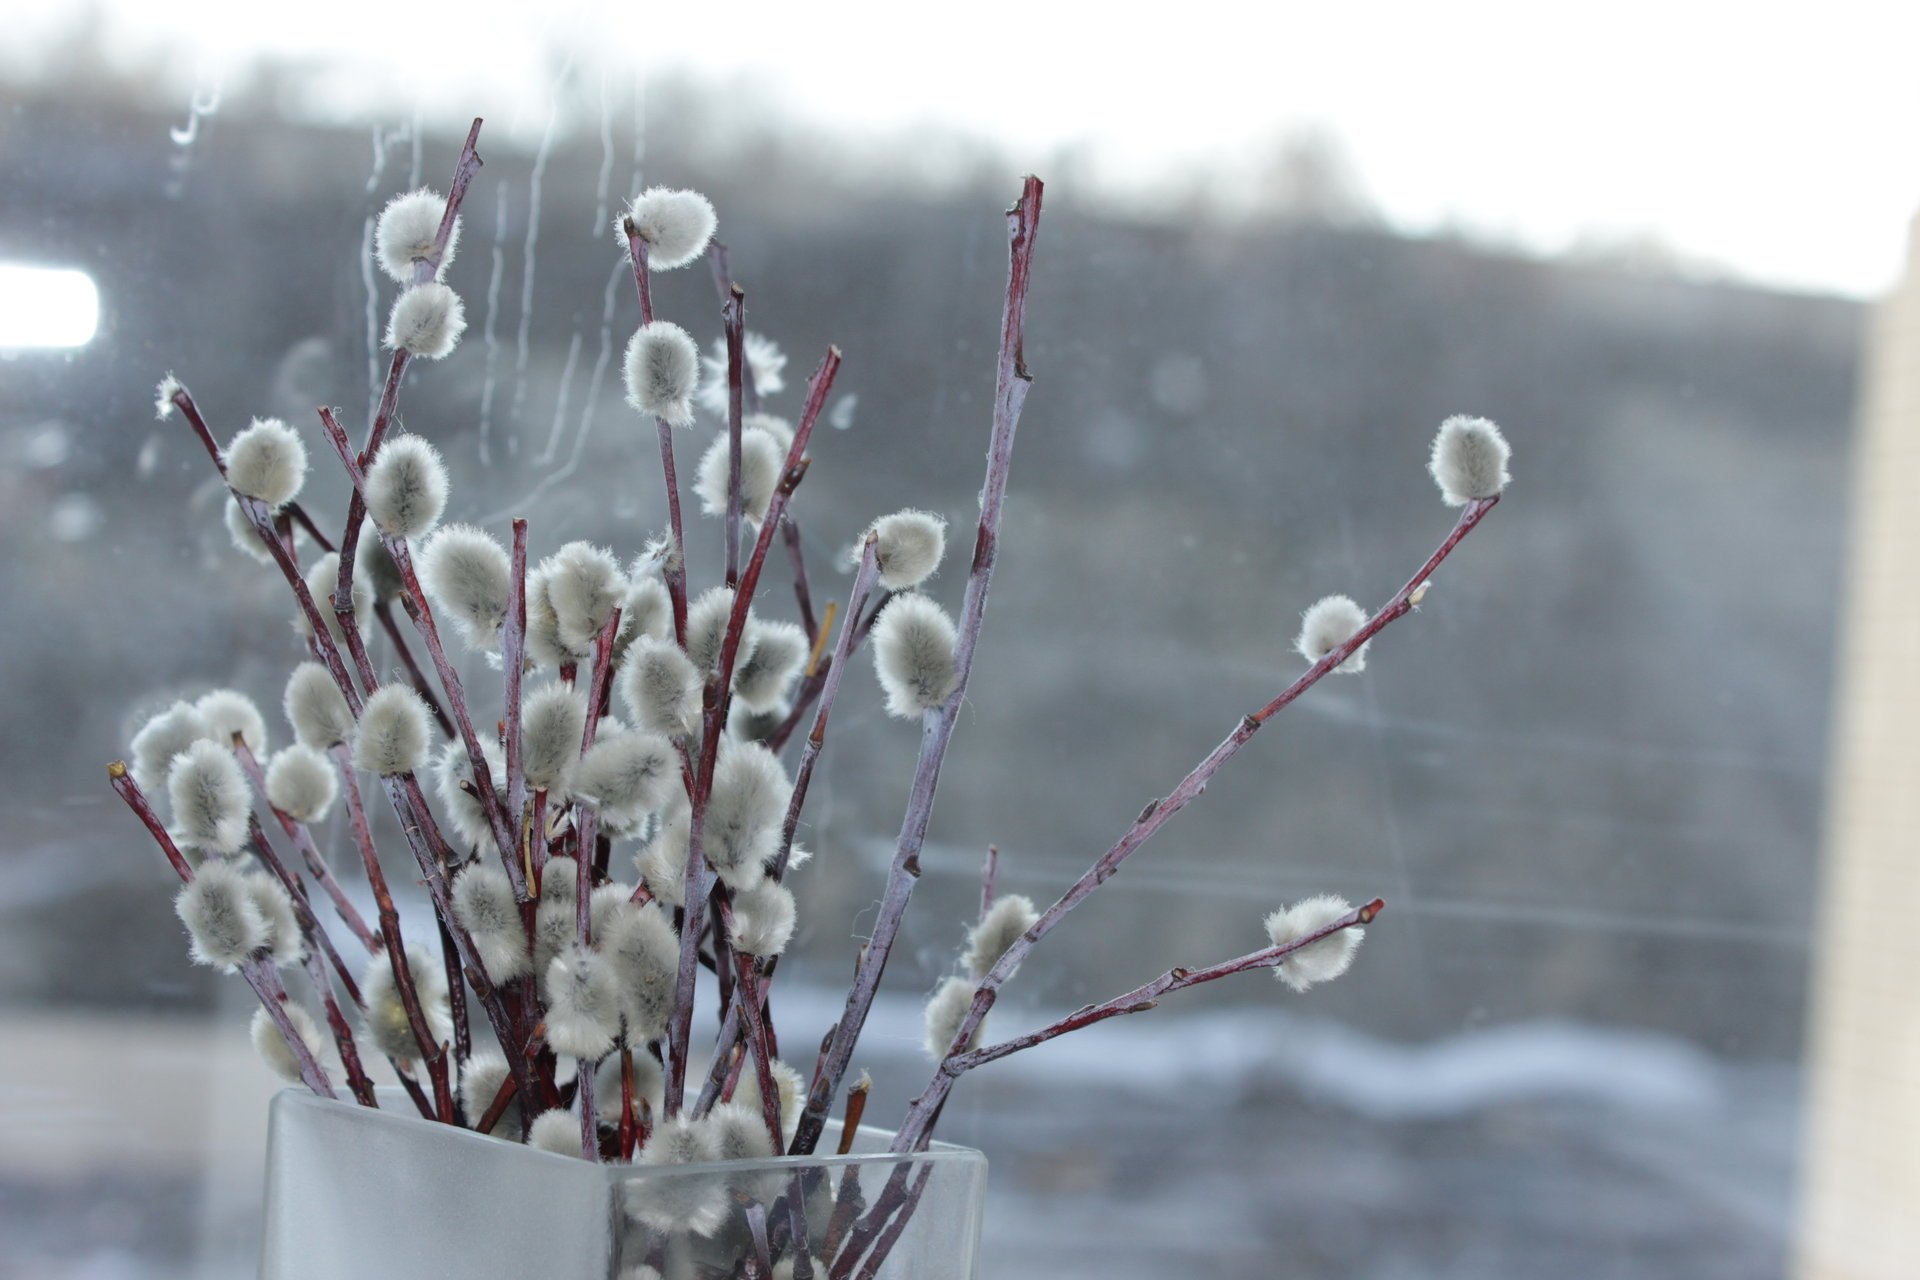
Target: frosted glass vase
<point x="357" y="1192"/>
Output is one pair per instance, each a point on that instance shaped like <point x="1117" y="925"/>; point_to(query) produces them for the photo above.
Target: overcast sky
<point x="1779" y="141"/>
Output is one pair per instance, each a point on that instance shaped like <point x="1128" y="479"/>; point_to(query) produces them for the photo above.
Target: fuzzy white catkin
<point x="163" y="405"/>
<point x="584" y="586"/>
<point x="553" y="720"/>
<point x="604" y="903"/>
<point x="761" y="678"/>
<point x="387" y="1026"/>
<point x="395" y="730"/>
<point x="662" y="861"/>
<point x="677" y="225"/>
<point x="480" y="1079"/>
<point x="662" y="369"/>
<point x="209" y="795"/>
<point x="556" y="1131"/>
<point x="583" y="1004"/>
<point x="649" y="1087"/>
<point x="246" y="540"/>
<point x="161" y="739"/>
<point x="647" y="611"/>
<point x="229" y="712"/>
<point x="744" y="813"/>
<point x="426" y="321"/>
<point x="626" y="775"/>
<point x="267" y="461"/>
<point x="223" y="921"/>
<point x="788" y="1086"/>
<point x="660" y="687"/>
<point x="374" y="564"/>
<point x="468" y="576"/>
<point x="544" y="647"/>
<point x="693" y="1204"/>
<point x="765" y="360"/>
<point x="908" y="546"/>
<point x="322" y="579"/>
<point x="762" y="461"/>
<point x="466" y="814"/>
<point x="316" y="708"/>
<point x="913" y="654"/>
<point x="484" y="904"/>
<point x="406" y="487"/>
<point x="272" y="1046"/>
<point x="763" y="919"/>
<point x="1010" y="916"/>
<point x="740" y="1135"/>
<point x="945" y="1012"/>
<point x="1469" y="460"/>
<point x="405" y="233"/>
<point x="1329" y="623"/>
<point x="284" y="944"/>
<point x="644" y="952"/>
<point x="301" y="783"/>
<point x="1319" y="961"/>
<point x="555" y="919"/>
<point x="786" y="1267"/>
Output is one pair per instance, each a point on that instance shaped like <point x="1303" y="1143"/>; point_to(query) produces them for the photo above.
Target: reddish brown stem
<point x="734" y="320"/>
<point x="802" y="588"/>
<point x="310" y="854"/>
<point x="989" y="871"/>
<point x="513" y="647"/>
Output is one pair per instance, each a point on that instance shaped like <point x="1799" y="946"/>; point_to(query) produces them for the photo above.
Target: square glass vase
<point x="353" y="1191"/>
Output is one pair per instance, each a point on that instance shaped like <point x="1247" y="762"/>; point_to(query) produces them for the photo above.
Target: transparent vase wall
<point x="352" y="1191"/>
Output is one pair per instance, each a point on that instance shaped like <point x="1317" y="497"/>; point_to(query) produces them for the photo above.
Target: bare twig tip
<point x="1372" y="909"/>
<point x="117" y="769"/>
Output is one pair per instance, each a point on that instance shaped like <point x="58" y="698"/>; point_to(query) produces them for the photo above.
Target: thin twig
<point x="734" y="320"/>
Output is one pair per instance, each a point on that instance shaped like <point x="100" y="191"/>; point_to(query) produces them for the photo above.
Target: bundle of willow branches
<point x="585" y="981"/>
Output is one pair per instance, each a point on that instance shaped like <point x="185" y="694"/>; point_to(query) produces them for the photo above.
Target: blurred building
<point x="1861" y="1178"/>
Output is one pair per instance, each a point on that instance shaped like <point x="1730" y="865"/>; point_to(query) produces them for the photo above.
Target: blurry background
<point x="1588" y="777"/>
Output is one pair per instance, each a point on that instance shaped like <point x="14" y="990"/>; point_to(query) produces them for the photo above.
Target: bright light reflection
<point x="46" y="308"/>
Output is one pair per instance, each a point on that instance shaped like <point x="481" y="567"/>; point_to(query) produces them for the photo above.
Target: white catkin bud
<point x="913" y="648"/>
<point x="1319" y="961"/>
<point x="267" y="461"/>
<point x="284" y="944"/>
<point x="660" y="687"/>
<point x="316" y="708"/>
<point x="695" y="1204"/>
<point x="301" y="783"/>
<point x="1328" y="624"/>
<point x="908" y="546"/>
<point x="246" y="540"/>
<point x="555" y="920"/>
<point x="163" y="395"/>
<point x="480" y="1079"/>
<point x="469" y="578"/>
<point x="374" y="564"/>
<point x="707" y="619"/>
<point x="387" y="1027"/>
<point x="1469" y="460"/>
<point x="626" y="775"/>
<point x="426" y="321"/>
<point x="210" y="798"/>
<point x="466" y="815"/>
<point x="406" y="487"/>
<point x="555" y="1131"/>
<point x="545" y="648"/>
<point x="584" y="587"/>
<point x="228" y="713"/>
<point x="484" y="904"/>
<point x="644" y="952"/>
<point x="649" y="1088"/>
<point x="768" y="364"/>
<point x="322" y="579"/>
<point x="223" y="920"/>
<point x="763" y="919"/>
<point x="677" y="225"/>
<point x="603" y="903"/>
<point x="663" y="368"/>
<point x="553" y="720"/>
<point x="741" y="1135"/>
<point x="272" y="1046"/>
<point x="395" y="730"/>
<point x="647" y="611"/>
<point x="762" y="461"/>
<point x="772" y="423"/>
<point x="773" y="653"/>
<point x="663" y="860"/>
<point x="791" y="1090"/>
<point x="161" y="739"/>
<point x="583" y="1004"/>
<point x="1000" y="928"/>
<point x="945" y="1012"/>
<point x="744" y="813"/>
<point x="405" y="233"/>
<point x="787" y="1267"/>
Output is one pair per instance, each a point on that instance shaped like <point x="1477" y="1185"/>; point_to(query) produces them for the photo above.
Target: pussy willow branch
<point x="937" y="725"/>
<point x="734" y="320"/>
<point x="989" y="873"/>
<point x="310" y="854"/>
<point x="1156" y="815"/>
<point x="298" y="515"/>
<point x="583" y="821"/>
<point x="513" y="647"/>
<point x="255" y="969"/>
<point x="675" y="568"/>
<point x="309" y="924"/>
